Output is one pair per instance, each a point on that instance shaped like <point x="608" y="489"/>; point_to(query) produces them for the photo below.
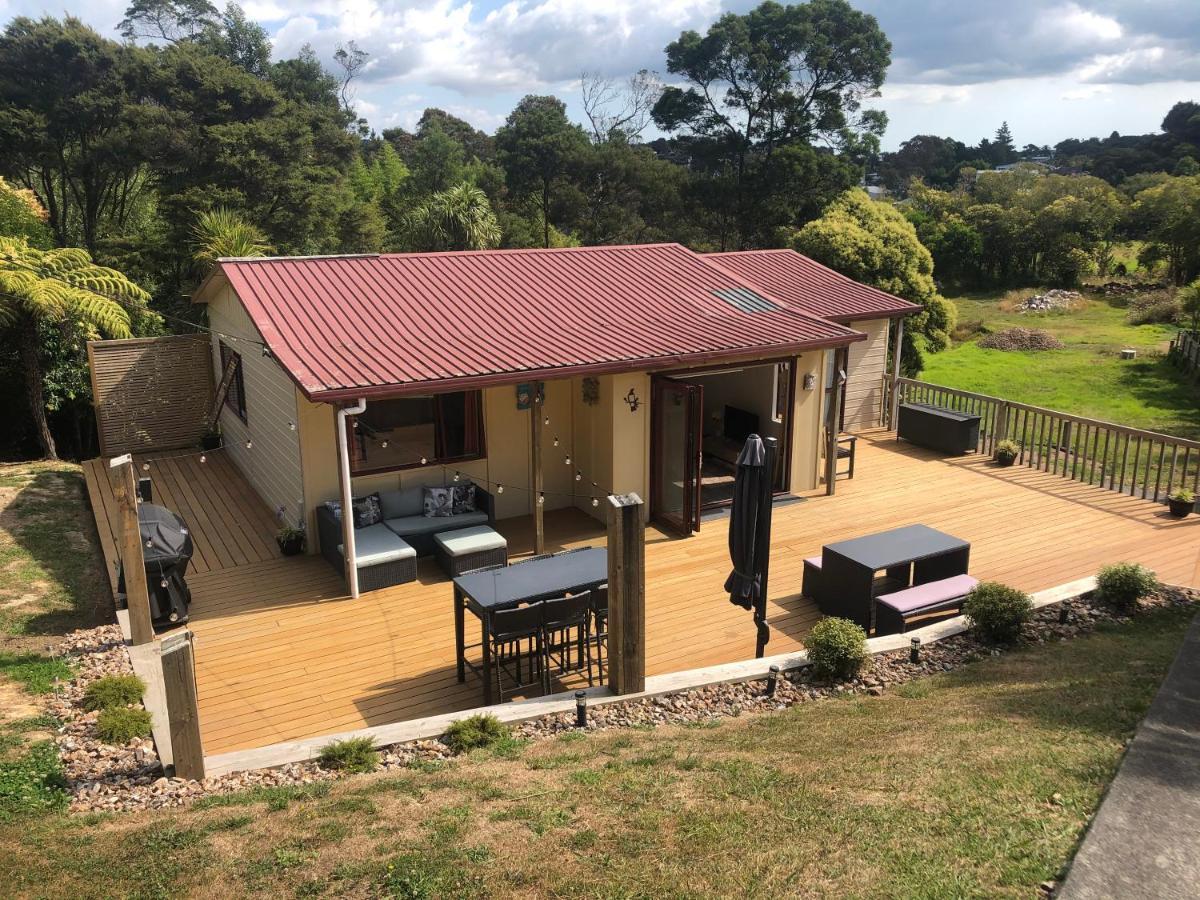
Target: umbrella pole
<point x="762" y="536"/>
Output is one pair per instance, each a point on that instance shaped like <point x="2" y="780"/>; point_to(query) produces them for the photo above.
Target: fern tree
<point x="221" y="232"/>
<point x="61" y="287"/>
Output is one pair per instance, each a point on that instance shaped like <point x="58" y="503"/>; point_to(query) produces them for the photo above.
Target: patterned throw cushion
<point x="367" y="511"/>
<point x="464" y="498"/>
<point x="439" y="501"/>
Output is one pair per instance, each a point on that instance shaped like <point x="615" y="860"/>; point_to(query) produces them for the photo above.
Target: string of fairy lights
<point x="568" y="458"/>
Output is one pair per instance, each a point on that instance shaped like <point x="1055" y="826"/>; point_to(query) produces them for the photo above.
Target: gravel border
<point x="101" y="777"/>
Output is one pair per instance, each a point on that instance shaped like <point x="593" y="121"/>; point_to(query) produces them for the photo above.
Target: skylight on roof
<point x="745" y="300"/>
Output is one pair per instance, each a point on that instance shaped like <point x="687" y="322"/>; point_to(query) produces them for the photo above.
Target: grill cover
<point x="165" y="539"/>
<point x="167" y="550"/>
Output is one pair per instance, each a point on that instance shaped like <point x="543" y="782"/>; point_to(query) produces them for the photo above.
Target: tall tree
<point x="873" y="243"/>
<point x="61" y="287"/>
<point x="776" y="76"/>
<point x="1004" y="151"/>
<point x="74" y="124"/>
<point x="537" y="147"/>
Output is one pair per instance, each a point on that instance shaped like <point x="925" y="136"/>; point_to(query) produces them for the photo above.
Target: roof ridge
<point x="459" y="254"/>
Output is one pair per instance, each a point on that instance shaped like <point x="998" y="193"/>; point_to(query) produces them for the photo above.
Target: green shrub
<point x="475" y="732"/>
<point x="121" y="724"/>
<point x="1123" y="584"/>
<point x="1183" y="495"/>
<point x="351" y="755"/>
<point x="997" y="611"/>
<point x="1156" y="308"/>
<point x="836" y="647"/>
<point x="113" y="691"/>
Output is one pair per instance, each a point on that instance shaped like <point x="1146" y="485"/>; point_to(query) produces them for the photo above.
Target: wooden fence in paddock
<point x="1185" y="351"/>
<point x="151" y="393"/>
<point x="1127" y="460"/>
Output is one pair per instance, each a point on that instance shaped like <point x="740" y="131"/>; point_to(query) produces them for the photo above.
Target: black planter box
<point x="938" y="429"/>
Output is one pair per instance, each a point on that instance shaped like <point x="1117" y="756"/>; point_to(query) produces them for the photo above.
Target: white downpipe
<point x="350" y="555"/>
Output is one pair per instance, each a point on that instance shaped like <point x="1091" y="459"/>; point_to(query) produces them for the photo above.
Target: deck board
<point x="282" y="653"/>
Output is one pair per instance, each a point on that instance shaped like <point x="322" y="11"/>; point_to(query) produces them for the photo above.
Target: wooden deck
<point x="282" y="653"/>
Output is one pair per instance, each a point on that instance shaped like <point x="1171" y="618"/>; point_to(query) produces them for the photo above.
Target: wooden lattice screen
<point x="151" y="393"/>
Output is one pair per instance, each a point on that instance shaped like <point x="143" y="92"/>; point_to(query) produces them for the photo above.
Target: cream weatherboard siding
<point x="864" y="378"/>
<point x="272" y="463"/>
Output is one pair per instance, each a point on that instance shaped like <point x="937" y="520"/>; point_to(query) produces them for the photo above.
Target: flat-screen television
<point x="739" y="424"/>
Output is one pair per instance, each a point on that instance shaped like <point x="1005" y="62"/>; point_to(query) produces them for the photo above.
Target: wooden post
<point x="124" y="485"/>
<point x="1001" y="424"/>
<point x="897" y="349"/>
<point x="536" y="412"/>
<point x="626" y="595"/>
<point x="833" y="426"/>
<point x="183" y="717"/>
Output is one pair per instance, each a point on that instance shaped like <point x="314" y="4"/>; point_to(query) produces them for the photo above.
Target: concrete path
<point x="1145" y="840"/>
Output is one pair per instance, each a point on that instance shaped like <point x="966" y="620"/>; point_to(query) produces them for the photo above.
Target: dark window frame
<point x="352" y="436"/>
<point x="235" y="397"/>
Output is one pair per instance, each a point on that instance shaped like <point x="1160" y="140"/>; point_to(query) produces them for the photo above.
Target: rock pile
<point x="1128" y="288"/>
<point x="1056" y="298"/>
<point x="124" y="778"/>
<point x="1021" y="339"/>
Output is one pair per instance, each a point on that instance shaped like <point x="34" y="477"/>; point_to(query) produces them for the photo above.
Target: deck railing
<point x="1115" y="457"/>
<point x="1185" y="350"/>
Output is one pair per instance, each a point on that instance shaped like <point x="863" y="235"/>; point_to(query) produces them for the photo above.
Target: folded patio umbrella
<point x="745" y="581"/>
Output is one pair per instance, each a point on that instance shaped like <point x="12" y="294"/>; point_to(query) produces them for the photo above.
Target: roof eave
<point x="209" y="284"/>
<point x="897" y="312"/>
<point x="650" y="364"/>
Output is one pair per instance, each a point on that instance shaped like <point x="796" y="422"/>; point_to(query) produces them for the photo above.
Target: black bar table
<point x="848" y="568"/>
<point x="528" y="581"/>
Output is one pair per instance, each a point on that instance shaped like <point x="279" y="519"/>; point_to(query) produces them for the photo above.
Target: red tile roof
<point x="812" y="287"/>
<point x="345" y="327"/>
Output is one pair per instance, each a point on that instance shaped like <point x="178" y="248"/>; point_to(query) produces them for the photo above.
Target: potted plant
<point x="1181" y="502"/>
<point x="290" y="540"/>
<point x="211" y="439"/>
<point x="1007" y="452"/>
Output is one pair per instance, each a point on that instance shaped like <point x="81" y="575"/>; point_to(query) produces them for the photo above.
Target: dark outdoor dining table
<point x="848" y="568"/>
<point x="522" y="582"/>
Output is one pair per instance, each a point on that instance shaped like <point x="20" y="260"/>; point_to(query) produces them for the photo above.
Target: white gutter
<point x="350" y="556"/>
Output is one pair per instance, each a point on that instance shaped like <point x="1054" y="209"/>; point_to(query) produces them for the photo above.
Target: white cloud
<point x="1073" y="26"/>
<point x="1086" y="92"/>
<point x="924" y="94"/>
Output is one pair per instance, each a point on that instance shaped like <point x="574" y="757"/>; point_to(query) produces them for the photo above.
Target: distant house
<point x="654" y="363"/>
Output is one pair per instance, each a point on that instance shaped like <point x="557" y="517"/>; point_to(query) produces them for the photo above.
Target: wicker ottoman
<point x="383" y="558"/>
<point x="469" y="548"/>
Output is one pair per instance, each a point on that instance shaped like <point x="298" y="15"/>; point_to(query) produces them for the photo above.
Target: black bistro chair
<point x="565" y="629"/>
<point x="599" y="610"/>
<point x="518" y="646"/>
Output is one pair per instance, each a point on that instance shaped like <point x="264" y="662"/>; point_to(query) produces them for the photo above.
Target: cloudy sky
<point x="1051" y="69"/>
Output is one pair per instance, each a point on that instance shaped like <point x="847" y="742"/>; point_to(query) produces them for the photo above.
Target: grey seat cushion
<point x="377" y="544"/>
<point x="470" y="540"/>
<point x="434" y="524"/>
<point x="402" y="503"/>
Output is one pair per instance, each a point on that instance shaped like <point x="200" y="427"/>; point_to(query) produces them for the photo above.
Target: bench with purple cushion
<point x="926" y="602"/>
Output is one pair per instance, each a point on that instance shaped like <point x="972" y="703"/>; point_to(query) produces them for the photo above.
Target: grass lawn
<point x="51" y="580"/>
<point x="975" y="783"/>
<point x="1087" y="378"/>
